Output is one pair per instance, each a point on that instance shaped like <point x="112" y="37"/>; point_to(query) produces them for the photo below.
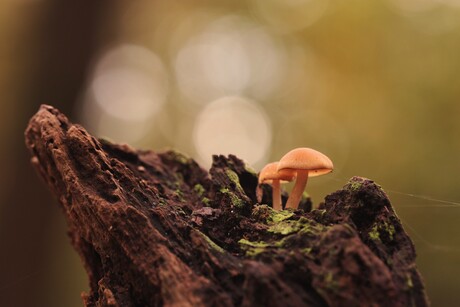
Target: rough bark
<point x="155" y="229"/>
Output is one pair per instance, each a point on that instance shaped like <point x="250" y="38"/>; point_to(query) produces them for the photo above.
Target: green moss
<point x="281" y="243"/>
<point x="321" y="212"/>
<point x="285" y="227"/>
<point x="205" y="201"/>
<point x="253" y="248"/>
<point x="224" y="190"/>
<point x="261" y="213"/>
<point x="179" y="157"/>
<point x="235" y="200"/>
<point x="233" y="176"/>
<point x="253" y="244"/>
<point x="390" y="229"/>
<point x="250" y="170"/>
<point x="374" y="234"/>
<point x="281" y="224"/>
<point x="178" y="192"/>
<point x="278" y="216"/>
<point x="212" y="243"/>
<point x="106" y="140"/>
<point x="198" y="189"/>
<point x="162" y="203"/>
<point x="267" y="215"/>
<point x="330" y="282"/>
<point x="409" y="282"/>
<point x="377" y="230"/>
<point x="254" y="251"/>
<point x="302" y="225"/>
<point x="181" y="211"/>
<point x="235" y="179"/>
<point x="354" y="185"/>
<point x="179" y="177"/>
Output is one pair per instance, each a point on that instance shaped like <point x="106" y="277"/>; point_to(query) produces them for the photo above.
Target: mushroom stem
<point x="297" y="191"/>
<point x="259" y="193"/>
<point x="276" y="195"/>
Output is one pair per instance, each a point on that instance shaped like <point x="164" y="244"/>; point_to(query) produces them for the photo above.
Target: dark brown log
<point x="155" y="229"/>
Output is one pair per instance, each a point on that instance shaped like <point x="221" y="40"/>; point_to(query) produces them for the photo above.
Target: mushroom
<point x="306" y="162"/>
<point x="270" y="174"/>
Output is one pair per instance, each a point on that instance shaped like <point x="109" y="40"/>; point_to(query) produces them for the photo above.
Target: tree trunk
<point x="155" y="229"/>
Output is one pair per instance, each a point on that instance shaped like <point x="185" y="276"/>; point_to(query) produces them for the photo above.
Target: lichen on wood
<point x="156" y="229"/>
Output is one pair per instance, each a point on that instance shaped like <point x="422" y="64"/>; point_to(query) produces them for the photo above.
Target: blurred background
<point x="375" y="85"/>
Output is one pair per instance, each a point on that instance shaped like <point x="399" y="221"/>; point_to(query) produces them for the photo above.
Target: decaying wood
<point x="155" y="229"/>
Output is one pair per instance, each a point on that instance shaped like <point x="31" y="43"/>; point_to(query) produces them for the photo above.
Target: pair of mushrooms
<point x="299" y="163"/>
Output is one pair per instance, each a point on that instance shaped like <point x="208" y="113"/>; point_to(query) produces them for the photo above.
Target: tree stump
<point x="155" y="229"/>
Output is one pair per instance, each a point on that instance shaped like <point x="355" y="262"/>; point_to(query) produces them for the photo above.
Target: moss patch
<point x="409" y="282"/>
<point x="355" y="186"/>
<point x="179" y="157"/>
<point x="234" y="199"/>
<point x="211" y="243"/>
<point x="381" y="229"/>
<point x="198" y="189"/>
<point x="278" y="216"/>
<point x="287" y="231"/>
<point x="285" y="227"/>
<point x="250" y="170"/>
<point x="267" y="215"/>
<point x="303" y="225"/>
<point x="235" y="179"/>
<point x="330" y="282"/>
<point x="374" y="233"/>
<point x="179" y="194"/>
<point x="205" y="201"/>
<point x="390" y="229"/>
<point x="253" y="248"/>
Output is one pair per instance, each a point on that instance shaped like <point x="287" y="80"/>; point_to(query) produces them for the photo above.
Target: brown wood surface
<point x="155" y="229"/>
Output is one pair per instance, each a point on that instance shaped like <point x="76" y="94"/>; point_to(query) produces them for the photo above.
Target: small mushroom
<point x="270" y="174"/>
<point x="306" y="162"/>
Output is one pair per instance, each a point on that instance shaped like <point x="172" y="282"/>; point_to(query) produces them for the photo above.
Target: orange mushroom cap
<point x="270" y="172"/>
<point x="306" y="159"/>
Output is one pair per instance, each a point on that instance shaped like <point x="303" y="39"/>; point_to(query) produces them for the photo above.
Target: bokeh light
<point x="233" y="125"/>
<point x="420" y="6"/>
<point x="290" y="15"/>
<point x="230" y="56"/>
<point x="128" y="87"/>
<point x="415" y="6"/>
<point x="433" y="17"/>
